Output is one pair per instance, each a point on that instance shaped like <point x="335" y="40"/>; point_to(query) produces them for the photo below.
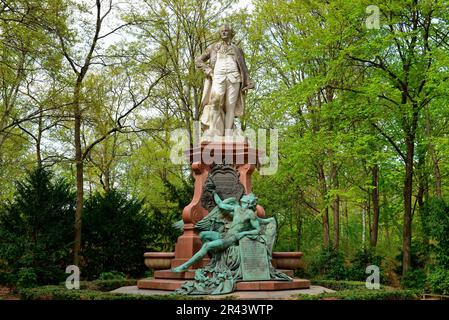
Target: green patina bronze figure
<point x="244" y="223"/>
<point x="221" y="232"/>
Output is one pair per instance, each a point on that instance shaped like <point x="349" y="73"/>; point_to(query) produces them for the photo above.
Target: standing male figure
<point x="227" y="79"/>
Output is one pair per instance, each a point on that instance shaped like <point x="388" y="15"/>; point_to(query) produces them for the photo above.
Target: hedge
<point x="363" y="294"/>
<point x="61" y="293"/>
<point x="339" y="285"/>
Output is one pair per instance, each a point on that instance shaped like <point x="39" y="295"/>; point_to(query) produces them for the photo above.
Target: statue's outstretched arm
<point x="228" y="204"/>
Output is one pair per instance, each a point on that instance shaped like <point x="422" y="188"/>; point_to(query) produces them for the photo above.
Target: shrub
<point x="36" y="227"/>
<point x="414" y="278"/>
<point x="439" y="281"/>
<point x="329" y="264"/>
<point x="115" y="234"/>
<point x="61" y="293"/>
<point x="340" y="285"/>
<point x="437" y="226"/>
<point x="361" y="260"/>
<point x="7" y="278"/>
<point x="112" y="275"/>
<point x="107" y="285"/>
<point x="26" y="278"/>
<point x="364" y="294"/>
<point x="419" y="254"/>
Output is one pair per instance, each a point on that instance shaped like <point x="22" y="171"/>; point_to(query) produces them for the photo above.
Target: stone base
<point x="271" y="285"/>
<point x="190" y="274"/>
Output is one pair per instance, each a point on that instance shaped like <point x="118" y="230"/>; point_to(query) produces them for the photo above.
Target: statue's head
<point x="249" y="201"/>
<point x="226" y="32"/>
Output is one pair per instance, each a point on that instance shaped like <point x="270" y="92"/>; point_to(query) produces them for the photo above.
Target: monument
<point x="227" y="242"/>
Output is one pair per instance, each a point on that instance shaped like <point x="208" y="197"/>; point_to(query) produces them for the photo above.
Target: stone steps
<point x="269" y="285"/>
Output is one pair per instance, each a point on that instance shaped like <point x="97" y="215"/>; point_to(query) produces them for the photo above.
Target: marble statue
<point x="225" y="86"/>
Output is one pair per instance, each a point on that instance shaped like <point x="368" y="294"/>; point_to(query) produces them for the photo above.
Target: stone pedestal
<point x="244" y="159"/>
<point x="202" y="159"/>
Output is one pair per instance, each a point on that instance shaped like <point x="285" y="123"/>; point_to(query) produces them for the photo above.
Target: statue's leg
<point x="232" y="94"/>
<point x="217" y="100"/>
<point x="207" y="236"/>
<point x="200" y="254"/>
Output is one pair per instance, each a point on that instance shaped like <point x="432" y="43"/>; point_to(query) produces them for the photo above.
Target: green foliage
<point x="419" y="256"/>
<point x="438" y="280"/>
<point x="107" y="285"/>
<point x="414" y="279"/>
<point x="112" y="275"/>
<point x="437" y="226"/>
<point x="61" y="293"/>
<point x="329" y="264"/>
<point x="339" y="285"/>
<point x="363" y="258"/>
<point x="26" y="278"/>
<point x="364" y="294"/>
<point x="36" y="228"/>
<point x="115" y="235"/>
<point x="7" y="278"/>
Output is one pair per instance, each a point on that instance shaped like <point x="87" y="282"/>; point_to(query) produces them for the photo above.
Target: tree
<point x="116" y="232"/>
<point x="36" y="226"/>
<point x="80" y="65"/>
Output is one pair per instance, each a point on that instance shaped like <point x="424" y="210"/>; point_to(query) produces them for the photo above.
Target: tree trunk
<point x="347" y="224"/>
<point x="335" y="209"/>
<point x="298" y="231"/>
<point x="325" y="209"/>
<point x="375" y="198"/>
<point x="407" y="192"/>
<point x="436" y="168"/>
<point x="79" y="176"/>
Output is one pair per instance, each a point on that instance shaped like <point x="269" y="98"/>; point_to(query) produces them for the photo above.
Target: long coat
<point x="211" y="55"/>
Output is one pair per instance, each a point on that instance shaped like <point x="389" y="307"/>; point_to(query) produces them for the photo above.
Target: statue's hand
<point x="217" y="198"/>
<point x="248" y="87"/>
<point x="208" y="72"/>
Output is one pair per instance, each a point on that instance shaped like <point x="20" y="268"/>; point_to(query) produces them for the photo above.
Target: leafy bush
<point x="437" y="226"/>
<point x="115" y="234"/>
<point x="329" y="264"/>
<point x="26" y="278"/>
<point x="419" y="254"/>
<point x="112" y="275"/>
<point x="364" y="294"/>
<point x="415" y="279"/>
<point x="7" y="278"/>
<point x="340" y="285"/>
<point x="61" y="293"/>
<point x="107" y="285"/>
<point x="363" y="259"/>
<point x="36" y="228"/>
<point x="439" y="281"/>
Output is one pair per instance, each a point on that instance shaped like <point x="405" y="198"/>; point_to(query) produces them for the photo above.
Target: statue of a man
<point x="227" y="79"/>
<point x="244" y="223"/>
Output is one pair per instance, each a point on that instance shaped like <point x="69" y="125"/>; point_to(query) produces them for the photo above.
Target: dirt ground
<point x="6" y="294"/>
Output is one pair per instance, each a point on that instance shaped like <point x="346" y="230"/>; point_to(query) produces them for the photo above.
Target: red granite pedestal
<point x="202" y="158"/>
